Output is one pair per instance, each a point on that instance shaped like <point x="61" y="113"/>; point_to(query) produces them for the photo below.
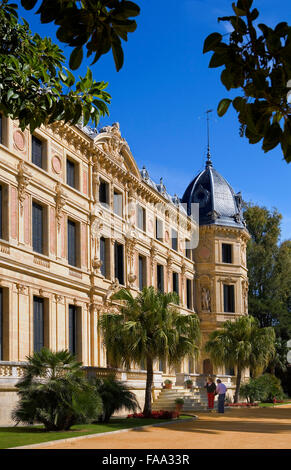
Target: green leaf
<point x="211" y="42"/>
<point x="218" y="59"/>
<point x="223" y="106"/>
<point x="117" y="53"/>
<point x="76" y="58"/>
<point x="28" y="4"/>
<point x="238" y="11"/>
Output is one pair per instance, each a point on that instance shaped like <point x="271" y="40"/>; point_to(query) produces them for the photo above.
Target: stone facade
<point x="97" y="157"/>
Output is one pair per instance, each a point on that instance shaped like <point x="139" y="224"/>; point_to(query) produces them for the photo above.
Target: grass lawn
<point x="25" y="435"/>
<point x="266" y="405"/>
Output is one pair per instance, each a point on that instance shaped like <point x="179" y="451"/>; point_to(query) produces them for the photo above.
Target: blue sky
<point x="163" y="90"/>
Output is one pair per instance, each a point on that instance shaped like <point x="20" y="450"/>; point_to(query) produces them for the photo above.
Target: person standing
<point x="221" y="391"/>
<point x="210" y="388"/>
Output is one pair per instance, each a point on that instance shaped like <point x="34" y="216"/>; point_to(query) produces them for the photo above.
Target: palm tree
<point x="241" y="344"/>
<point x="148" y="328"/>
<point x="115" y="395"/>
<point x="55" y="392"/>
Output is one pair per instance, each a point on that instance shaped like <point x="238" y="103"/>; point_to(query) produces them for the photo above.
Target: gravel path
<point x="259" y="428"/>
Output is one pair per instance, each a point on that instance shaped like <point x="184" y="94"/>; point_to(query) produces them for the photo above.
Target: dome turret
<point x="218" y="203"/>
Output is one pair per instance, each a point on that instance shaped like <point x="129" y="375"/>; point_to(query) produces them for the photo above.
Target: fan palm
<point x="149" y="328"/>
<point x="55" y="392"/>
<point x="115" y="395"/>
<point x="241" y="344"/>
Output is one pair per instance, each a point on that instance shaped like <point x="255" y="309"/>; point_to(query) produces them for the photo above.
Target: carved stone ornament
<point x="205" y="299"/>
<point x="96" y="264"/>
<point x="114" y="287"/>
<point x="60" y="199"/>
<point x="131" y="279"/>
<point x="23" y="178"/>
<point x="114" y="144"/>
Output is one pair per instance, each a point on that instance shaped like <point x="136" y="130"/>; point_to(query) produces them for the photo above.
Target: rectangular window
<point x="226" y="253"/>
<point x="1" y="324"/>
<point x="37" y="151"/>
<point x="189" y="293"/>
<point x="38" y="323"/>
<point x="72" y="247"/>
<point x="160" y="277"/>
<point x="1" y="130"/>
<point x="37" y="227"/>
<point x="228" y="292"/>
<point x="187" y="249"/>
<point x="229" y="371"/>
<point x="73" y="329"/>
<point x="119" y="262"/>
<point x="104" y="193"/>
<point x="117" y="203"/>
<point x="174" y="239"/>
<point x="162" y="366"/>
<point x="71" y="174"/>
<point x="159" y="229"/>
<point x="103" y="253"/>
<point x="141" y="218"/>
<point x="141" y="272"/>
<point x="176" y="283"/>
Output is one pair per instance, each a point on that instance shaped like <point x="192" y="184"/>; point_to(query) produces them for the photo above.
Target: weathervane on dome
<point x="208" y="162"/>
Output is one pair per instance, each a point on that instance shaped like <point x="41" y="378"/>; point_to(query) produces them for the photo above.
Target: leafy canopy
<point x="256" y="60"/>
<point x="97" y="24"/>
<point x="35" y="86"/>
<point x="241" y="343"/>
<point x="149" y="327"/>
<point x="269" y="270"/>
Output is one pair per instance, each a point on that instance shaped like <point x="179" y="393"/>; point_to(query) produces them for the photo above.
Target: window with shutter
<point x="228" y="293"/>
<point x="189" y="293"/>
<point x="159" y="229"/>
<point x="72" y="329"/>
<point x="71" y="173"/>
<point x="141" y="218"/>
<point x="72" y="249"/>
<point x="160" y="277"/>
<point x="119" y="262"/>
<point x="141" y="272"/>
<point x="38" y="324"/>
<point x="188" y="249"/>
<point x="37" y="151"/>
<point x="103" y="256"/>
<point x="104" y="193"/>
<point x="174" y="239"/>
<point x="176" y="283"/>
<point x="117" y="203"/>
<point x="37" y="227"/>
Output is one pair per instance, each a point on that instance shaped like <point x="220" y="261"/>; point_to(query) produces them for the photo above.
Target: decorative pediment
<point x="113" y="144"/>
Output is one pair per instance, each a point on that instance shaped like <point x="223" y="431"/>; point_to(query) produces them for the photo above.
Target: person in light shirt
<point x="221" y="391"/>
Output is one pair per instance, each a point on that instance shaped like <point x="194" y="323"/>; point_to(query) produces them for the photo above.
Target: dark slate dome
<point x="218" y="203"/>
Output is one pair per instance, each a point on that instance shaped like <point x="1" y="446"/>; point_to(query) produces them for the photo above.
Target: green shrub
<point x="179" y="401"/>
<point x="264" y="388"/>
<point x="55" y="392"/>
<point x="114" y="395"/>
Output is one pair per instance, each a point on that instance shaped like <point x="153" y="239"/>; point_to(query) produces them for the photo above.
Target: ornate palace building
<point x="78" y="220"/>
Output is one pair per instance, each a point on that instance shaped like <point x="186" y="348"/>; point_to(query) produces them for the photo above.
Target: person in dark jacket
<point x="210" y="388"/>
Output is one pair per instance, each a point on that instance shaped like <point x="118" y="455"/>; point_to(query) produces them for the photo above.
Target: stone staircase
<point x="194" y="400"/>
